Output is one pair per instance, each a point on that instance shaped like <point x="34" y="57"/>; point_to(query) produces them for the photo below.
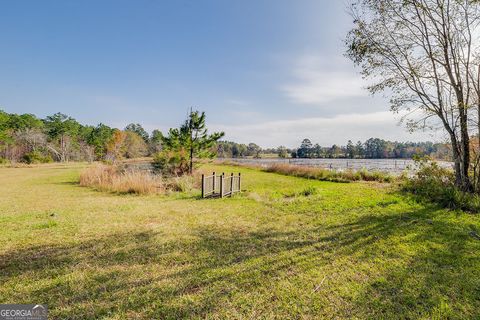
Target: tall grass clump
<point x="326" y="174"/>
<point x="184" y="183"/>
<point x="435" y="184"/>
<point x="112" y="179"/>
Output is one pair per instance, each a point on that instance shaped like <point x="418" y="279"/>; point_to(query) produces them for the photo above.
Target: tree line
<point x="229" y="149"/>
<point x="58" y="137"/>
<point x="373" y="148"/>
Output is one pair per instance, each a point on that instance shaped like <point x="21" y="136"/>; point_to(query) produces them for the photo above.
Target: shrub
<point x="170" y="162"/>
<point x="110" y="178"/>
<point x="436" y="184"/>
<point x="308" y="191"/>
<point x="36" y="157"/>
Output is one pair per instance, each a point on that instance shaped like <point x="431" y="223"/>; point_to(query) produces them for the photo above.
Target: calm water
<point x="386" y="165"/>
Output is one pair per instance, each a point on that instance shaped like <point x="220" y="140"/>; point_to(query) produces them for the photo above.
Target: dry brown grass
<point x="185" y="183"/>
<point x="328" y="175"/>
<point x="111" y="179"/>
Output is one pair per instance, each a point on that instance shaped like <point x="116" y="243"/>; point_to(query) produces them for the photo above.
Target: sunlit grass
<point x="285" y="248"/>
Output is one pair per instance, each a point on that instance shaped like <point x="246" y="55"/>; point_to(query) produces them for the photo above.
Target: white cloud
<point x="325" y="131"/>
<point x="321" y="80"/>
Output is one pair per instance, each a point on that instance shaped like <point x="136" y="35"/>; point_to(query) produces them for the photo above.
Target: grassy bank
<point x="287" y="247"/>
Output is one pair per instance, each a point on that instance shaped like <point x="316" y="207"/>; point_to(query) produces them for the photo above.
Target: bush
<point x="308" y="191"/>
<point x="185" y="183"/>
<point x="36" y="157"/>
<point x="173" y="163"/>
<point x="436" y="184"/>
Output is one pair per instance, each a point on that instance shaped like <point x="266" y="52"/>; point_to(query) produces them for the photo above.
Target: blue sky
<point x="268" y="71"/>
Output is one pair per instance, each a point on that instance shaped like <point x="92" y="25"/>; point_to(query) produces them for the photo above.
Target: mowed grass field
<point x="286" y="248"/>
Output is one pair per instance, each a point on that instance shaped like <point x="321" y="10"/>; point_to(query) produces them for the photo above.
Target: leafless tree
<point x="62" y="148"/>
<point x="31" y="138"/>
<point x="425" y="55"/>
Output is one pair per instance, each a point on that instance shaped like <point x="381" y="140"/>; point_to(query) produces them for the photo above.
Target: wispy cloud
<point x="318" y="80"/>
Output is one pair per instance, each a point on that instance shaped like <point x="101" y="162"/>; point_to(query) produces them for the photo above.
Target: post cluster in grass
<point x="228" y="185"/>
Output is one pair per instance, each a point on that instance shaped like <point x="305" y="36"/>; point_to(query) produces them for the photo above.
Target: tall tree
<point x="4" y="134"/>
<point x="155" y="142"/>
<point x="99" y="137"/>
<point x="133" y="145"/>
<point x="192" y="136"/>
<point x="359" y="150"/>
<point x="425" y="54"/>
<point x="305" y="149"/>
<point x="62" y="131"/>
<point x="114" y="145"/>
<point x="282" y="152"/>
<point x="254" y="150"/>
<point x="138" y="129"/>
<point x="350" y="149"/>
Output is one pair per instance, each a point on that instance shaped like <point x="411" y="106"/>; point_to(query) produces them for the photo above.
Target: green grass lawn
<point x="356" y="250"/>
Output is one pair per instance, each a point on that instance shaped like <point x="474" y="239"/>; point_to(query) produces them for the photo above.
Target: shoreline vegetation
<point x="316" y="173"/>
<point x="127" y="178"/>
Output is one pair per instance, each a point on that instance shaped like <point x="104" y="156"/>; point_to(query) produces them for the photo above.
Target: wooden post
<point x="221" y="185"/>
<point x="214" y="178"/>
<point x="239" y="182"/>
<point x="231" y="184"/>
<point x="203" y="186"/>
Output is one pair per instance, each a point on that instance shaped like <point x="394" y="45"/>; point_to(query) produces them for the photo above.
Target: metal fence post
<point x="203" y="186"/>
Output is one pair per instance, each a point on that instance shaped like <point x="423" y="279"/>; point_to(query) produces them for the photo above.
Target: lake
<point x="385" y="165"/>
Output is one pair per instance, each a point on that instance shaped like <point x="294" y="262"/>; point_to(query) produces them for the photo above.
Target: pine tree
<point x="191" y="138"/>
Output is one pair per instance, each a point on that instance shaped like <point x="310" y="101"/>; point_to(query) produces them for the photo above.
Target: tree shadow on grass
<point x="139" y="275"/>
<point x="429" y="265"/>
<point x="68" y="183"/>
<point x="410" y="264"/>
